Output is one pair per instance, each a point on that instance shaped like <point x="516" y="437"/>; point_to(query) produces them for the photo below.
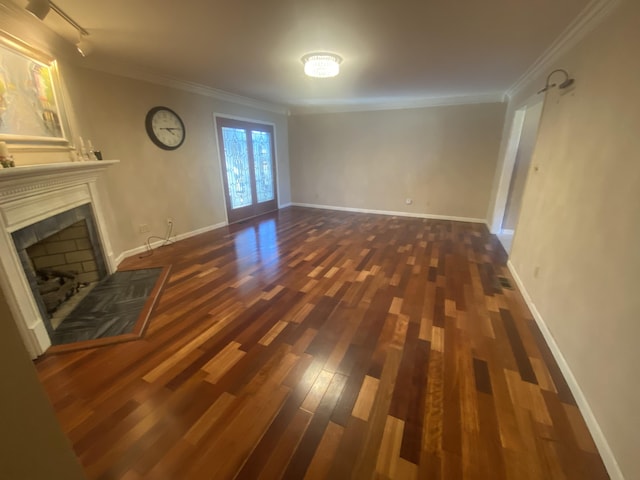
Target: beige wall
<point x="579" y="224"/>
<point x="441" y="157"/>
<point x="149" y="184"/>
<point x="32" y="444"/>
<point x="521" y="166"/>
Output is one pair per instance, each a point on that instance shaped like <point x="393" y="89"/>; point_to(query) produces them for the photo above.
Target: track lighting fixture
<point x="84" y="46"/>
<point x="40" y="8"/>
<point x="567" y="82"/>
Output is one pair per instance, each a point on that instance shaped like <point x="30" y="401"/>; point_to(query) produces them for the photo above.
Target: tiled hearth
<point x="33" y="194"/>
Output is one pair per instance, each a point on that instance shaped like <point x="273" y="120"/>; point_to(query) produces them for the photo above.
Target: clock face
<point x="165" y="128"/>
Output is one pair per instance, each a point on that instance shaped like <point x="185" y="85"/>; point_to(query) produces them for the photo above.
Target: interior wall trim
<point x="193" y="233"/>
<point x="156" y="244"/>
<point x="393" y="213"/>
<point x="394" y="104"/>
<point x="600" y="440"/>
<point x="390" y="104"/>
<point x="191" y="87"/>
<point x="590" y="17"/>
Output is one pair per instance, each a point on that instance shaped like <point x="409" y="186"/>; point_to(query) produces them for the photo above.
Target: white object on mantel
<point x="4" y="150"/>
<point x="82" y="151"/>
<point x="29" y="194"/>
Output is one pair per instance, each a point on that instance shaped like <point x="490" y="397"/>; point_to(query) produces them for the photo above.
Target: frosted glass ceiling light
<point x="321" y="64"/>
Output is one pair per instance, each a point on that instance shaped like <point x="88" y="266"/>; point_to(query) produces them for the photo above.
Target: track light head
<point x="84" y="46"/>
<point x="39" y="8"/>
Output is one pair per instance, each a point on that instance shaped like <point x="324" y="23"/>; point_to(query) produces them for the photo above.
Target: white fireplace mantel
<point x="28" y="195"/>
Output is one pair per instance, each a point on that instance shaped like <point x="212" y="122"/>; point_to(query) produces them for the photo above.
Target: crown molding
<point x="13" y="18"/>
<point x="393" y="104"/>
<point x="589" y="18"/>
<point x="191" y="87"/>
<point x="586" y="21"/>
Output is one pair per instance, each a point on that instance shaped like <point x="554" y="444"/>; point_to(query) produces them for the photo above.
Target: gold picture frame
<point x="32" y="113"/>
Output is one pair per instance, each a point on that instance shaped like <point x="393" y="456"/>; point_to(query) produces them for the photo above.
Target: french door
<point x="248" y="165"/>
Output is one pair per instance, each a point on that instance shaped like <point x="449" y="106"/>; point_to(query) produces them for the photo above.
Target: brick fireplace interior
<point x="66" y="269"/>
<point x="62" y="259"/>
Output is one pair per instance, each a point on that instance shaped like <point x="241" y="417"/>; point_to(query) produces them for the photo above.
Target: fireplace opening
<point x="65" y="269"/>
<point x="63" y="260"/>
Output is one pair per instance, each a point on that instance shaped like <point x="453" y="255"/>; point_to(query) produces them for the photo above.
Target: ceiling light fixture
<point x="567" y="82"/>
<point x="321" y="64"/>
<point x="40" y="8"/>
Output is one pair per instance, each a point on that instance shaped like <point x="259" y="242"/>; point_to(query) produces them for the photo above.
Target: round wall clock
<point x="165" y="128"/>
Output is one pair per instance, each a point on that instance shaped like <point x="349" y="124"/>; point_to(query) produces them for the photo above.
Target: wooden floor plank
<point x="315" y="344"/>
<point x="325" y="453"/>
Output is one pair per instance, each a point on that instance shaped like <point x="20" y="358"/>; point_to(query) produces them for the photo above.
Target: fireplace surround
<point x="29" y="195"/>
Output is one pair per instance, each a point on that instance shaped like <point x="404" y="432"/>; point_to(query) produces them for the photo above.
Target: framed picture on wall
<point x="31" y="109"/>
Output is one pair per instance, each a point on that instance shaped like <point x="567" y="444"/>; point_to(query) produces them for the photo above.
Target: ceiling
<point x="393" y="51"/>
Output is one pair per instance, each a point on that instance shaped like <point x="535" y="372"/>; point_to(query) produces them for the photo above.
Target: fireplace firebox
<point x="59" y="254"/>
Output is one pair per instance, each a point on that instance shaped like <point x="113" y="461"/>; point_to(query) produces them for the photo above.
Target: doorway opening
<point x="517" y="163"/>
<point x="247" y="154"/>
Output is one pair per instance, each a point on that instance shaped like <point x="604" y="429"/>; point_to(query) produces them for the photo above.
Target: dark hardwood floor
<point x="320" y="344"/>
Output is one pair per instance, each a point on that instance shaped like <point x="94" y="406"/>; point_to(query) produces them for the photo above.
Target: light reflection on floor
<point x="257" y="249"/>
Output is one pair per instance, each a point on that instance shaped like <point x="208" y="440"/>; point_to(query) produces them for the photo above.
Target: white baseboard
<point x="598" y="437"/>
<point x="389" y="212"/>
<point x="182" y="236"/>
<point x="285" y="205"/>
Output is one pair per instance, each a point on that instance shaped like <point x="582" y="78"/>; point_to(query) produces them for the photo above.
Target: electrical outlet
<point x="143" y="228"/>
<point x="408" y="201"/>
<point x="169" y="220"/>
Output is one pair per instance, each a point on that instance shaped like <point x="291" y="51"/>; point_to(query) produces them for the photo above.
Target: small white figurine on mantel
<point x="82" y="151"/>
<point x="90" y="154"/>
<point x="6" y="159"/>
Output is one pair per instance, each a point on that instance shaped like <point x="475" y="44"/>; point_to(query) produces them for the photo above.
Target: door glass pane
<point x="262" y="164"/>
<point x="236" y="157"/>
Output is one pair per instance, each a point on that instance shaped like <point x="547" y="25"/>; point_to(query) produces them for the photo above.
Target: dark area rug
<point x="113" y="308"/>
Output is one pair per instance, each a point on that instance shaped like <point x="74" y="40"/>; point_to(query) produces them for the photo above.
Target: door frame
<point x="509" y="158"/>
<point x="510" y="153"/>
<point x="508" y="165"/>
<point x="221" y="168"/>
